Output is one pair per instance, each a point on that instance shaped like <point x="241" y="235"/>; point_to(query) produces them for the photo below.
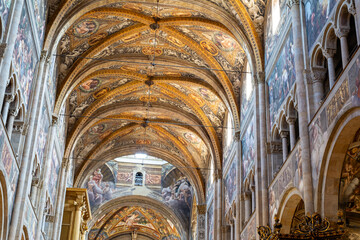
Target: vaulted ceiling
<point x="152" y="76"/>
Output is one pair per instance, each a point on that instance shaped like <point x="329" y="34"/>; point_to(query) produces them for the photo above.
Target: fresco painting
<point x="354" y="83"/>
<point x="246" y="99"/>
<point x="276" y="18"/>
<point x="39" y="14"/>
<point x="177" y="193"/>
<point x="30" y="220"/>
<point x="210" y="222"/>
<point x="24" y="56"/>
<point x="230" y="185"/>
<point x="42" y="135"/>
<point x="316" y="15"/>
<point x="4" y="11"/>
<point x="250" y="230"/>
<point x="54" y="172"/>
<point x="248" y="148"/>
<point x="51" y="83"/>
<point x="282" y="78"/>
<point x="61" y="133"/>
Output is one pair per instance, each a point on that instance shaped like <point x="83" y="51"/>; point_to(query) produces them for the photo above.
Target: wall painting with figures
<point x="316" y="15"/>
<point x="210" y="222"/>
<point x="162" y="182"/>
<point x="248" y="148"/>
<point x="230" y="185"/>
<point x="282" y="77"/>
<point x="24" y="56"/>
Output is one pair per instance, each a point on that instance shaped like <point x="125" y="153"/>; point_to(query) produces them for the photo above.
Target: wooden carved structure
<point x="312" y="227"/>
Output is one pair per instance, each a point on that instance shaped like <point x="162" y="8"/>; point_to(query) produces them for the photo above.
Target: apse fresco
<point x="39" y="14"/>
<point x="316" y="15"/>
<point x="54" y="173"/>
<point x="4" y="10"/>
<point x="210" y="222"/>
<point x="24" y="56"/>
<point x="42" y="134"/>
<point x="230" y="185"/>
<point x="276" y="18"/>
<point x="117" y="179"/>
<point x="354" y="75"/>
<point x="248" y="148"/>
<point x="127" y="219"/>
<point x="282" y="78"/>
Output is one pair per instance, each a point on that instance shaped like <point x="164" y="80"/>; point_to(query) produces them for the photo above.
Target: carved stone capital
<point x="329" y="52"/>
<point x="43" y="55"/>
<point x="260" y="76"/>
<point x="291" y="3"/>
<point x="237" y="136"/>
<point x="342" y="32"/>
<point x="54" y="120"/>
<point x="318" y="74"/>
<point x="201" y="209"/>
<point x="18" y="126"/>
<point x="291" y="120"/>
<point x="50" y="218"/>
<point x="9" y="98"/>
<point x="2" y="49"/>
<point x="284" y="134"/>
<point x="274" y="147"/>
<point x="218" y="174"/>
<point x="65" y="163"/>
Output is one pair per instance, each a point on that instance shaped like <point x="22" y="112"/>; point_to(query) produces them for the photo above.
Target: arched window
<point x="138" y="179"/>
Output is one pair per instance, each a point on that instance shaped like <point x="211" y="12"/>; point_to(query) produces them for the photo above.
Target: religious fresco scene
<point x="179" y="120"/>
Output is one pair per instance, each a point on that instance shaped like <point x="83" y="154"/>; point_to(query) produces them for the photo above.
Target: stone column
<point x="77" y="220"/>
<point x="318" y="77"/>
<point x="5" y="111"/>
<point x="46" y="176"/>
<point x="253" y="199"/>
<point x="10" y="123"/>
<point x="10" y="38"/>
<point x="34" y="191"/>
<point x="218" y="207"/>
<point x="284" y="140"/>
<point x="237" y="223"/>
<point x="61" y="199"/>
<point x="26" y="164"/>
<point x="246" y="196"/>
<point x="302" y="108"/>
<point x="291" y="122"/>
<point x="201" y="222"/>
<point x="342" y="33"/>
<point x="263" y="153"/>
<point x="329" y="54"/>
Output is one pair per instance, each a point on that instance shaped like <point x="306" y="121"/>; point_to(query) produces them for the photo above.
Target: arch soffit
<point x="332" y="162"/>
<point x="287" y="207"/>
<point x="4" y="211"/>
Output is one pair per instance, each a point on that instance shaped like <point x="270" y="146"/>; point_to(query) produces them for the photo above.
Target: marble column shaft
<point x="342" y="34"/>
<point x="284" y="140"/>
<point x="237" y="222"/>
<point x="64" y="170"/>
<point x="291" y="122"/>
<point x="27" y="163"/>
<point x="329" y="54"/>
<point x="302" y="108"/>
<point x="10" y="38"/>
<point x="263" y="154"/>
<point x="46" y="178"/>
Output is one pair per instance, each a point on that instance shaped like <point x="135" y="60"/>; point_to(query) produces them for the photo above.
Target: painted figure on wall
<point x="316" y="15"/>
<point x="54" y="173"/>
<point x="24" y="58"/>
<point x="354" y="82"/>
<point x="248" y="148"/>
<point x="210" y="222"/>
<point x="86" y="28"/>
<point x="230" y="185"/>
<point x="90" y="85"/>
<point x="282" y="78"/>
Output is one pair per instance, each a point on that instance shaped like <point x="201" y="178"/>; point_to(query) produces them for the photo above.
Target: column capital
<point x="218" y="174"/>
<point x="201" y="209"/>
<point x="274" y="147"/>
<point x="284" y="134"/>
<point x="43" y="55"/>
<point x="237" y="136"/>
<point x="54" y="120"/>
<point x="342" y="32"/>
<point x="328" y="52"/>
<point x="2" y="49"/>
<point x="291" y="3"/>
<point x="318" y="74"/>
<point x="260" y="77"/>
<point x="9" y="98"/>
<point x="291" y="120"/>
<point x="14" y="112"/>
